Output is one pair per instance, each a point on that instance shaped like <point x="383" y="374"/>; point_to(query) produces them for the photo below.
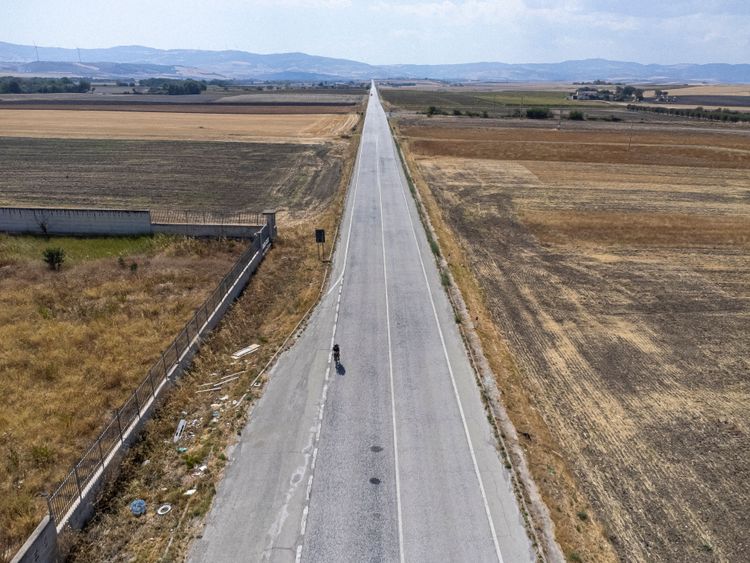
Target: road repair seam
<point x="453" y="381"/>
<point x="390" y="362"/>
<point x="324" y="392"/>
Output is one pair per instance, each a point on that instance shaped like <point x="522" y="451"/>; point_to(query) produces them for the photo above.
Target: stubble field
<point x="619" y="281"/>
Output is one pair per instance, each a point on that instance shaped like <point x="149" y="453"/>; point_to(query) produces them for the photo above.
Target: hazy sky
<point x="399" y="31"/>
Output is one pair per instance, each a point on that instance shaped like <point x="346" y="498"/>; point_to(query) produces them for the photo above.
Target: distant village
<point x="620" y="94"/>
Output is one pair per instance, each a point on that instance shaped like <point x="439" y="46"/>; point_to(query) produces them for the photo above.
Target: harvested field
<point x="620" y="286"/>
<point x="210" y="176"/>
<point x="166" y="107"/>
<point x="74" y="344"/>
<point x="75" y="124"/>
<point x="621" y="145"/>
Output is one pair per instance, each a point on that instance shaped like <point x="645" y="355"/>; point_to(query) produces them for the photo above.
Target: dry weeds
<point x="74" y="344"/>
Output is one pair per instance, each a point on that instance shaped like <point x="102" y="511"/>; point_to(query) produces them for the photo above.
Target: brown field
<point x="712" y="90"/>
<point x="207" y="176"/>
<point x="618" y="282"/>
<point x="81" y="124"/>
<point x="74" y="344"/>
<point x="165" y="107"/>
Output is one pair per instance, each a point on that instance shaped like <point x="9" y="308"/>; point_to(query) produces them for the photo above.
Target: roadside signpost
<point x="320" y="239"/>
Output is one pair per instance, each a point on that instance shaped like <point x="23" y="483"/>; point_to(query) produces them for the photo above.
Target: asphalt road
<point x="389" y="457"/>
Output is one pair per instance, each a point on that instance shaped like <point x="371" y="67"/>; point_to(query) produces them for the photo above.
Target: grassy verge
<point x="286" y="285"/>
<point x="560" y="492"/>
<point x="73" y="344"/>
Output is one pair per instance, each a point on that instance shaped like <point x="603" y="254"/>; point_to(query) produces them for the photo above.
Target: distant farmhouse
<point x="620" y="94"/>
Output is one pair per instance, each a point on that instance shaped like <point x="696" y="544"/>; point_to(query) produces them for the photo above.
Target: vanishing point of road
<point x="389" y="457"/>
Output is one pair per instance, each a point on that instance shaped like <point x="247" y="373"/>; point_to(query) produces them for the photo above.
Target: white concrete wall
<point x="74" y="221"/>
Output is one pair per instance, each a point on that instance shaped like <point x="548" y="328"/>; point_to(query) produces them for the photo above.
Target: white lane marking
<point x="324" y="392"/>
<point x="390" y="362"/>
<point x="453" y="379"/>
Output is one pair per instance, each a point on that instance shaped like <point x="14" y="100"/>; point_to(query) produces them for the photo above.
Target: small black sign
<point x="320" y="236"/>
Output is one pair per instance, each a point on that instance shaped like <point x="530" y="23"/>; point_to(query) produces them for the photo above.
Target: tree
<point x="54" y="257"/>
<point x="538" y="113"/>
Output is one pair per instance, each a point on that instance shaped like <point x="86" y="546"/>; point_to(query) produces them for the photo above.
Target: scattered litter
<point x="190" y="492"/>
<point x="138" y="507"/>
<point x="245" y="351"/>
<point x="164" y="509"/>
<point x="178" y="433"/>
<point x="224" y="398"/>
<point x="181" y="450"/>
<point x="215" y="414"/>
<point x="146" y="462"/>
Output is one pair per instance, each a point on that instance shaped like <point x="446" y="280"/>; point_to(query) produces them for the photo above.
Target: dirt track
<point x="622" y="291"/>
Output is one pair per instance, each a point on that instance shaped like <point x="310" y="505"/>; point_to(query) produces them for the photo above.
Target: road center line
<point x="390" y="362"/>
<point x="452" y="377"/>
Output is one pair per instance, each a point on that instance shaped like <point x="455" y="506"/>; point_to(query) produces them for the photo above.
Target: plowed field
<point x="620" y="282"/>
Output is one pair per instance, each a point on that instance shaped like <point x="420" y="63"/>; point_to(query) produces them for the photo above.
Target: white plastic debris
<point x="245" y="351"/>
<point x="178" y="432"/>
<point x="164" y="509"/>
<point x="190" y="492"/>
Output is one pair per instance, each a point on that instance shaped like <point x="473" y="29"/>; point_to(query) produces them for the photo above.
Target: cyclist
<point x="336" y="353"/>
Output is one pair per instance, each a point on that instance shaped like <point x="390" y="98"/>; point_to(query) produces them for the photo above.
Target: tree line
<point x="174" y="87"/>
<point x="15" y="85"/>
<point x="720" y="114"/>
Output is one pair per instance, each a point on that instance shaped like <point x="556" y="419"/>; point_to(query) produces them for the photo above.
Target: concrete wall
<point x="108" y="222"/>
<point x="49" y="221"/>
<point x="41" y="547"/>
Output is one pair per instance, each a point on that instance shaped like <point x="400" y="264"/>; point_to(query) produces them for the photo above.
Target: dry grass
<point x="611" y="299"/>
<point x="75" y="124"/>
<point x="285" y="287"/>
<point x="74" y="344"/>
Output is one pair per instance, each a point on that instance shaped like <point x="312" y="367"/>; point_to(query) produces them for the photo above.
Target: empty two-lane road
<point x="389" y="457"/>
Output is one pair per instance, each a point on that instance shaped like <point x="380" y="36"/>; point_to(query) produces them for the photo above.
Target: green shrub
<point x="54" y="257"/>
<point x="576" y="115"/>
<point x="538" y="113"/>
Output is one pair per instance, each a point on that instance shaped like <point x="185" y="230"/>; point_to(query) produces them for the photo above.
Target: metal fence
<point x="88" y="470"/>
<point x="170" y="216"/>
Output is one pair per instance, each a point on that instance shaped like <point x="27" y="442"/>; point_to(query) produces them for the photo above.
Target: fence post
<point x="137" y="402"/>
<point x="151" y="381"/>
<point x="164" y="365"/>
<point x="78" y="482"/>
<point x="49" y="506"/>
<point x="101" y="453"/>
<point x="119" y="426"/>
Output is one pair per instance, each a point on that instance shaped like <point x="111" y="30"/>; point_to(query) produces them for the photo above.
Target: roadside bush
<point x="538" y="113"/>
<point x="54" y="257"/>
<point x="576" y="115"/>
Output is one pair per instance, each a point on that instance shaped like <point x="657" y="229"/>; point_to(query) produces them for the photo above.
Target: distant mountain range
<point x="145" y="62"/>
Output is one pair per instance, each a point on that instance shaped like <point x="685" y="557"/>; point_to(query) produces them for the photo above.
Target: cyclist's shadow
<point x="340" y="369"/>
